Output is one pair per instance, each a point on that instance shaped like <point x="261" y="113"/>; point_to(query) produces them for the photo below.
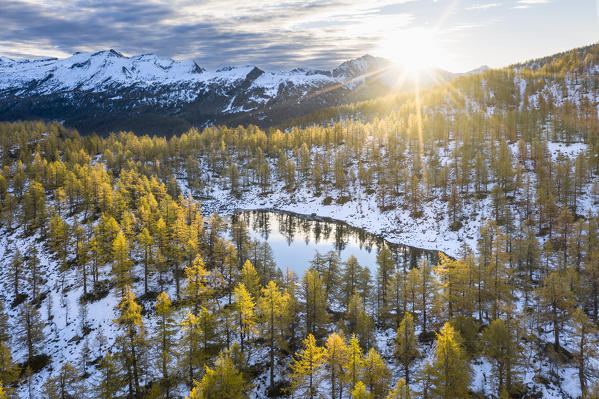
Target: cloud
<point x="483" y="6"/>
<point x="273" y="34"/>
<point x="523" y="4"/>
<point x="268" y="33"/>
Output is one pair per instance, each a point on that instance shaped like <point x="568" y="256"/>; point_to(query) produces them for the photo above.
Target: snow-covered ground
<point x="65" y="341"/>
<point x="430" y="231"/>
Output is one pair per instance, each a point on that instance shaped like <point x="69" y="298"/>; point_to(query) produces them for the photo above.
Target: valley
<point x="439" y="242"/>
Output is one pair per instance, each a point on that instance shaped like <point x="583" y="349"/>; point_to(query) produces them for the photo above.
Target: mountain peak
<point x="359" y="66"/>
<point x="109" y="53"/>
<point x="480" y="69"/>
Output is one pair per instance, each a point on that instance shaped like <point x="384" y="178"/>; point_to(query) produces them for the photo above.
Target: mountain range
<point x="107" y="91"/>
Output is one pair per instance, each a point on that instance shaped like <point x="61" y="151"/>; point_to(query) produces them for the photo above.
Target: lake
<point x="295" y="238"/>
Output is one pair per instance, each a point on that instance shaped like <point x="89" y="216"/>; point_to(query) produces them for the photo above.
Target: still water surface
<point x="294" y="240"/>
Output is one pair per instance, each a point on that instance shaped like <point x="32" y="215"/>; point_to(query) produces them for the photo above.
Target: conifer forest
<point x="126" y="273"/>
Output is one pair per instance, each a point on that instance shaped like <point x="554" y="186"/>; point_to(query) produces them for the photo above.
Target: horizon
<point x="274" y="70"/>
<point x="457" y="36"/>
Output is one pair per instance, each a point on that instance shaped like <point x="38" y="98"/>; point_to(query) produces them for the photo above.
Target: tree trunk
<point x="134" y="364"/>
<point x="272" y="347"/>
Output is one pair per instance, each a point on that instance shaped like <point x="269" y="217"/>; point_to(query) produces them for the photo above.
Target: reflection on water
<point x="294" y="240"/>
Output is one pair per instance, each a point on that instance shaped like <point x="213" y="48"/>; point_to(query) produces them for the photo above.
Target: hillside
<point x="120" y="279"/>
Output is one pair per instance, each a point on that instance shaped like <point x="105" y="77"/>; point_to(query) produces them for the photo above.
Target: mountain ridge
<point x="147" y="93"/>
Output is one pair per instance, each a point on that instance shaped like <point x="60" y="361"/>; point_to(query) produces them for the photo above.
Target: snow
<point x="570" y="150"/>
<point x="164" y="81"/>
<point x="100" y="71"/>
<point x="65" y="340"/>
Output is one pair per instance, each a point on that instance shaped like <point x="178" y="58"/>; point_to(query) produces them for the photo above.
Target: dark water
<point x="294" y="240"/>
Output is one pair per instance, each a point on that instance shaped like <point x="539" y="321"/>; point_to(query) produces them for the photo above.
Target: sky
<point x="456" y="35"/>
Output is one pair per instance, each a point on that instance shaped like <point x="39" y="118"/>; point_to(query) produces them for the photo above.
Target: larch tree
<point x="9" y="371"/>
<point x="335" y="361"/>
<point x="306" y="367"/>
<point x="34" y="273"/>
<point x="375" y="374"/>
<point x="355" y="361"/>
<point x="250" y="278"/>
<point x="359" y="391"/>
<point x="426" y="291"/>
<point x="447" y="271"/>
<point x="110" y="381"/>
<point x="386" y="268"/>
<point x="555" y="302"/>
<point x="191" y="355"/>
<point x="272" y="304"/>
<point x="147" y="243"/>
<point x="15" y="273"/>
<point x="406" y="347"/>
<point x="401" y="390"/>
<point x="65" y="384"/>
<point x="450" y="372"/>
<point x="502" y="349"/>
<point x="196" y="289"/>
<point x="121" y="262"/>
<point x="246" y="313"/>
<point x="498" y="274"/>
<point x="315" y="302"/>
<point x="358" y="321"/>
<point x="398" y="296"/>
<point x="132" y="341"/>
<point x="164" y="337"/>
<point x="585" y="333"/>
<point x="31" y="329"/>
<point x="224" y="381"/>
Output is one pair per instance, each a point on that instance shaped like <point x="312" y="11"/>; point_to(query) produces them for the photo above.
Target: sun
<point x="413" y="49"/>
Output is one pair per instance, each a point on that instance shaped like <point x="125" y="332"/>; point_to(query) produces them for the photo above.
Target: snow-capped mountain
<point x="146" y="93"/>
